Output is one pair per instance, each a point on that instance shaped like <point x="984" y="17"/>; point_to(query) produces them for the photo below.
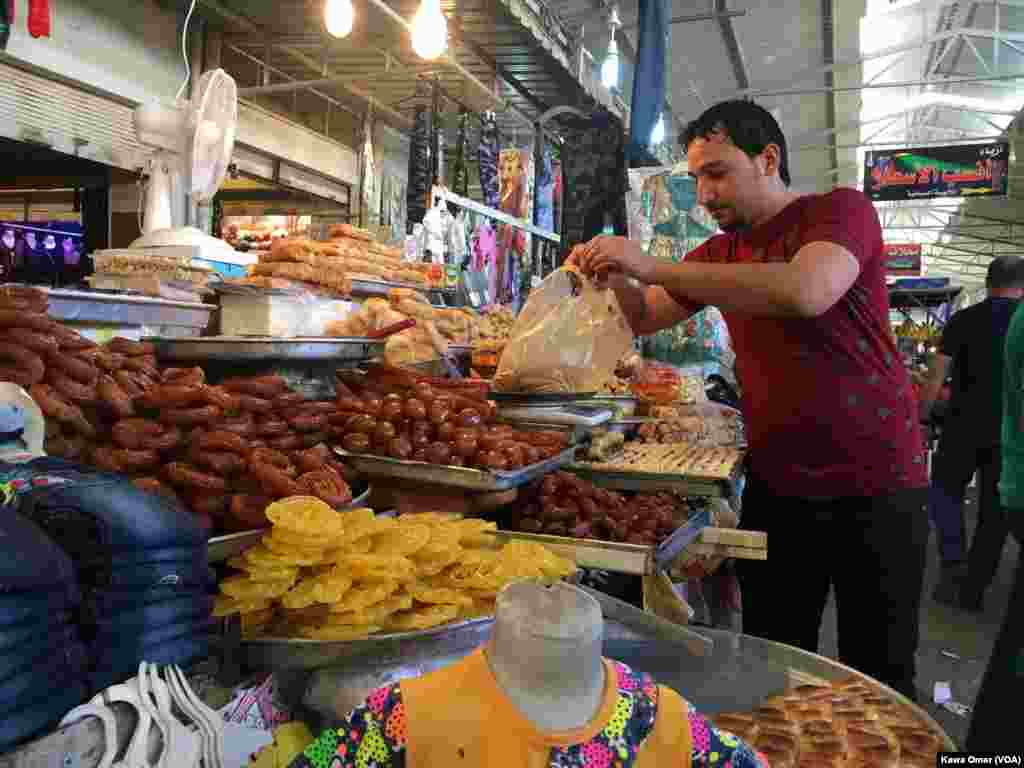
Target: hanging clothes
<point x="369" y="171"/>
<point x="459" y="183"/>
<point x="649" y="79"/>
<point x="487" y="154"/>
<point x="594" y="179"/>
<point x="419" y="170"/>
<point x="546" y="194"/>
<point x="516" y="200"/>
<point x="485" y="257"/>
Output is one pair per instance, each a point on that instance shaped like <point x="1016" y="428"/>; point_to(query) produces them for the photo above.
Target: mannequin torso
<point x="545" y="654"/>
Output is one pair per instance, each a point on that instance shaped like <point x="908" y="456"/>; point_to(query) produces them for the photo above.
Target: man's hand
<point x="606" y="254"/>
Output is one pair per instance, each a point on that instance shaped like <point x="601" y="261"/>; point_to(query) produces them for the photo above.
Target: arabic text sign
<point x="902" y="259"/>
<point x="963" y="170"/>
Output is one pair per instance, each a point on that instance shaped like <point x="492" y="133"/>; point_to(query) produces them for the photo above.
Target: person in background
<point x="8" y="257"/>
<point x="995" y="723"/>
<point x="76" y="266"/>
<point x="972" y="343"/>
<point x="26" y="255"/>
<point x="837" y="467"/>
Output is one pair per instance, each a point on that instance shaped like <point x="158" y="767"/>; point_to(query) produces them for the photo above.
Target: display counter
<point x="101" y="316"/>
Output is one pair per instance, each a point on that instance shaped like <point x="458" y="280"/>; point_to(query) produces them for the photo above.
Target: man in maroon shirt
<point x="837" y="470"/>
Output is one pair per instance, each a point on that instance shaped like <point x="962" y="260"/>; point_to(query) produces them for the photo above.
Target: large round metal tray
<point x="740" y="672"/>
<point x="221" y="548"/>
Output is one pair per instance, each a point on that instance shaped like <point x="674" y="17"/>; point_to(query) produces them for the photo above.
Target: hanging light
<point x="429" y="30"/>
<point x="610" y="67"/>
<point x="658" y="132"/>
<point x="338" y="17"/>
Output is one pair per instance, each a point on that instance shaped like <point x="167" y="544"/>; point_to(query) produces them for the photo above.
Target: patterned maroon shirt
<point x="828" y="403"/>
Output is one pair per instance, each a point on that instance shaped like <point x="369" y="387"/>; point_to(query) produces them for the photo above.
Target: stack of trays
<point x="141" y="563"/>
<point x="42" y="659"/>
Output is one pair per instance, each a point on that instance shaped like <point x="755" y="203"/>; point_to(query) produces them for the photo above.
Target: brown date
<point x="438" y="453"/>
<point x="383" y="433"/>
<point x="356" y="442"/>
<point x="400" y="448"/>
<point x="415" y="409"/>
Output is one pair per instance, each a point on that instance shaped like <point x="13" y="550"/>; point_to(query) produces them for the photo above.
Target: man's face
<point x="729" y="183"/>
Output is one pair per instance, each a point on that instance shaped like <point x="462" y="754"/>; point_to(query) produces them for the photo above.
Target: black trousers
<point x="955" y="464"/>
<point x="871" y="550"/>
<point x="995" y="724"/>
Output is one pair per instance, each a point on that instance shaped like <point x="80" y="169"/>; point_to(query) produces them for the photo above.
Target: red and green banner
<point x="963" y="170"/>
<point x="902" y="259"/>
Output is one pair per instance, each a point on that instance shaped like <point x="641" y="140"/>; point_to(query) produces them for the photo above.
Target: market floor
<point x="944" y="631"/>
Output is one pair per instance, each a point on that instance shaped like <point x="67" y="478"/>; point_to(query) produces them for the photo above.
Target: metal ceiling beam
<point x="1014" y="37"/>
<point x="626" y="50"/>
<point x="383" y="110"/>
<point x="869" y="86"/>
<point x="697" y="17"/>
<point x="500" y="104"/>
<point x="514" y="82"/>
<point x="732" y="45"/>
<point x="828" y="48"/>
<point x="813" y="73"/>
<point x="331" y="101"/>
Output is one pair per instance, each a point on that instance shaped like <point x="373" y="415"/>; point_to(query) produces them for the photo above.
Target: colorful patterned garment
<point x="419" y="169"/>
<point x="377" y="735"/>
<point x="595" y="178"/>
<point x="487" y="157"/>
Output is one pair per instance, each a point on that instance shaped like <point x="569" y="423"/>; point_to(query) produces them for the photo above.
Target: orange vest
<point x="459" y="716"/>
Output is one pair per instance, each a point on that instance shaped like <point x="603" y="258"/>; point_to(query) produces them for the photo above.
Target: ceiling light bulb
<point x="429" y="30"/>
<point x="658" y="133"/>
<point x="338" y="17"/>
<point x="610" y="67"/>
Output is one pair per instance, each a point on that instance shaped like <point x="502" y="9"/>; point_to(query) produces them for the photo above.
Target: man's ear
<point x="769" y="160"/>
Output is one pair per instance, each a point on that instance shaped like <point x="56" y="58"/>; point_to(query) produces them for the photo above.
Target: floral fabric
<point x="374" y="736"/>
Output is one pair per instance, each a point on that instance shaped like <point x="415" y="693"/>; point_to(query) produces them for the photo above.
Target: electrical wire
<point x="184" y="51"/>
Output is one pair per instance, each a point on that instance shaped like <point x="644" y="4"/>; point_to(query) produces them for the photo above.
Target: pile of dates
<point x="566" y="505"/>
<point x="428" y="423"/>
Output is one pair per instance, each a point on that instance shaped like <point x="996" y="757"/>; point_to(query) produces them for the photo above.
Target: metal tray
<point x="85" y="307"/>
<point x="250" y="348"/>
<point x="574" y="414"/>
<point x="629" y="424"/>
<point x="535" y="398"/>
<point x="573" y="433"/>
<point x="633" y="559"/>
<point x="687" y="485"/>
<point x="626" y="404"/>
<point x="221" y="548"/>
<point x="380" y="288"/>
<point x="282" y="653"/>
<point x="486" y="481"/>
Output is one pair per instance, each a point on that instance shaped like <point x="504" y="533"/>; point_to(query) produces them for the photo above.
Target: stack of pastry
<point x="353" y="258"/>
<point x="845" y="725"/>
<point x="359" y="243"/>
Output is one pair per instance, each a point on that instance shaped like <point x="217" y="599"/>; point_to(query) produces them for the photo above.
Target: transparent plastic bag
<point x="568" y="338"/>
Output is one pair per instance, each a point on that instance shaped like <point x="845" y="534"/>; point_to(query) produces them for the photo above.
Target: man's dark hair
<point x="1005" y="272"/>
<point x="749" y="126"/>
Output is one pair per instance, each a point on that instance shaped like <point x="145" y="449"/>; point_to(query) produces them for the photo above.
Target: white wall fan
<point x="193" y="142"/>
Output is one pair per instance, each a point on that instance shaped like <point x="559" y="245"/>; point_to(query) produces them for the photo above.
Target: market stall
<point x="229" y="428"/>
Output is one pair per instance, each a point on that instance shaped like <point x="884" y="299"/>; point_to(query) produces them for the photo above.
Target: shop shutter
<point x="43" y="111"/>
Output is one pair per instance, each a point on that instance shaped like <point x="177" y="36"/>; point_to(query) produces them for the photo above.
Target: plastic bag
<point x="568" y="338"/>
